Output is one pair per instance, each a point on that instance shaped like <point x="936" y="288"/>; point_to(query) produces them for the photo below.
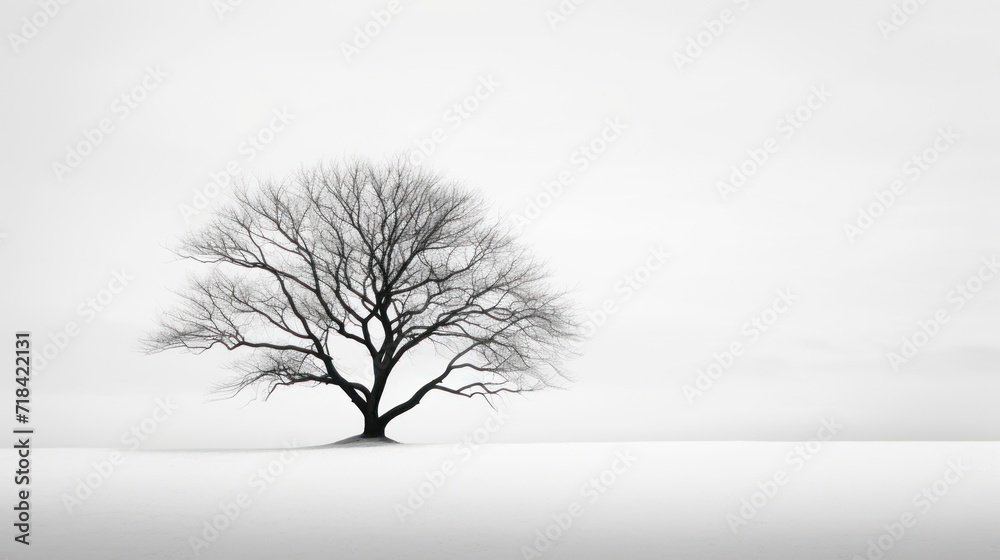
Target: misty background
<point x="210" y="78"/>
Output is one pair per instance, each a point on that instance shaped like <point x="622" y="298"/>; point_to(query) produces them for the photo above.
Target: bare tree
<point x="385" y="256"/>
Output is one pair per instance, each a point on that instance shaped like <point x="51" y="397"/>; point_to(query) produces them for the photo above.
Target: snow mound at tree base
<point x="359" y="441"/>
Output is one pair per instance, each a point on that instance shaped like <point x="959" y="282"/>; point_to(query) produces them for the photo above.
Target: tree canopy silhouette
<point x="385" y="256"/>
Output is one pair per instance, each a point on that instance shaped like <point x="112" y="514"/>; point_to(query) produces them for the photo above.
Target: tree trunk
<point x="374" y="427"/>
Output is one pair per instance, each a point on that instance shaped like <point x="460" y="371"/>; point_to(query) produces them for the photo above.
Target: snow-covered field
<point x="608" y="500"/>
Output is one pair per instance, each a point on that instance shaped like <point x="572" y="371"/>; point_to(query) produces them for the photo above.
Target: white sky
<point x="655" y="186"/>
